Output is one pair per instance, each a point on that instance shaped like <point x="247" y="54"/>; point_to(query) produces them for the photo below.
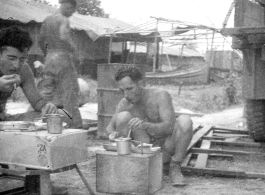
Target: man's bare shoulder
<point x="158" y="94"/>
<point x="55" y="18"/>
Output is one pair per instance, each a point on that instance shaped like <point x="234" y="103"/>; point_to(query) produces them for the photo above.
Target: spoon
<point x="129" y="133"/>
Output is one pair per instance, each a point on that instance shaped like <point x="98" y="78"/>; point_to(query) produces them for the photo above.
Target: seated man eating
<point x="149" y="114"/>
<point x="14" y="71"/>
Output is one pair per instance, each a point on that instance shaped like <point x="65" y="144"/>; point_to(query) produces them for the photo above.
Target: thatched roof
<point x="26" y="11"/>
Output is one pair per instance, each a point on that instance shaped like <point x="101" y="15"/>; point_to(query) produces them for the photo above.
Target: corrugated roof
<point x="26" y="11"/>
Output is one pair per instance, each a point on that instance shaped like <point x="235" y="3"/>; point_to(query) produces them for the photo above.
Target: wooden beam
<point x="234" y="130"/>
<point x="218" y="151"/>
<point x="231" y="132"/>
<point x="221" y="156"/>
<point x="198" y="135"/>
<point x="245" y="144"/>
<point x="241" y="31"/>
<point x="223" y="173"/>
<point x="213" y="138"/>
<point x="202" y="159"/>
<point x="214" y="172"/>
<point x="177" y="113"/>
<point x="186" y="160"/>
<point x="196" y="128"/>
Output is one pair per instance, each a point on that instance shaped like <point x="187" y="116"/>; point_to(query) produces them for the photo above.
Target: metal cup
<point x="54" y="123"/>
<point x="123" y="146"/>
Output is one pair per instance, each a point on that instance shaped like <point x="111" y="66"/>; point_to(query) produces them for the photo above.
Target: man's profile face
<point x="130" y="89"/>
<point x="67" y="9"/>
<point x="11" y="60"/>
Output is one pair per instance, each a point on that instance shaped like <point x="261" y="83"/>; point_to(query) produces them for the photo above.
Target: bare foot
<point x="176" y="176"/>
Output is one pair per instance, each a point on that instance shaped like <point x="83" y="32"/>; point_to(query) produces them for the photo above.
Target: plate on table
<point x="146" y="150"/>
<point x="110" y="147"/>
<point x="14" y="125"/>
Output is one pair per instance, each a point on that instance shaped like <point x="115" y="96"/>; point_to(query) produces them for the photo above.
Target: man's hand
<point x="49" y="108"/>
<point x="7" y="82"/>
<point x="114" y="135"/>
<point x="136" y="124"/>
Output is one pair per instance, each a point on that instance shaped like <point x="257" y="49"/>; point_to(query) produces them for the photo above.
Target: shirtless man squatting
<point x="150" y="115"/>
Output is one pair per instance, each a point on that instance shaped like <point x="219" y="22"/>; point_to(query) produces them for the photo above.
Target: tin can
<point x="123" y="146"/>
<point x="54" y="123"/>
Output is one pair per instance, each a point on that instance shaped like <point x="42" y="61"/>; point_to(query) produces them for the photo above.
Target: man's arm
<point x="111" y="128"/>
<point x="65" y="34"/>
<point x="41" y="40"/>
<point x="167" y="117"/>
<point x="29" y="88"/>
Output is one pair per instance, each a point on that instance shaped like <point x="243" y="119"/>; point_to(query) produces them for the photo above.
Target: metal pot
<point x="54" y="123"/>
<point x="123" y="146"/>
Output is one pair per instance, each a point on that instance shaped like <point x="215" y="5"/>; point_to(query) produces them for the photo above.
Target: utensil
<point x="129" y="133"/>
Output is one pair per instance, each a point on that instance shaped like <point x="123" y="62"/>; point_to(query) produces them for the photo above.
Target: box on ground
<point x="41" y="150"/>
<point x="125" y="174"/>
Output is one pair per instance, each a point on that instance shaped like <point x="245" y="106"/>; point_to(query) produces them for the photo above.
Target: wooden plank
<point x="239" y="31"/>
<point x="253" y="175"/>
<point x="221" y="155"/>
<point x="233" y="130"/>
<point x="198" y="135"/>
<point x="196" y="128"/>
<point x="223" y="173"/>
<point x="202" y="159"/>
<point x="26" y="172"/>
<point x="214" y="172"/>
<point x="84" y="181"/>
<point x="246" y="144"/>
<point x="218" y="151"/>
<point x="226" y="135"/>
<point x="177" y="113"/>
<point x="213" y="138"/>
<point x="186" y="160"/>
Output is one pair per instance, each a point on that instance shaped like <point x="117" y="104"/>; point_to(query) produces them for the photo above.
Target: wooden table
<point x="39" y="154"/>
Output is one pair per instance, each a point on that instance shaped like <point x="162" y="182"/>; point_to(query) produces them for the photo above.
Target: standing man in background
<point x="59" y="84"/>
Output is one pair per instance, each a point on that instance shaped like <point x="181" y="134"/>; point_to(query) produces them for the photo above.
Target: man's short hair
<point x="15" y="37"/>
<point x="130" y="71"/>
<point x="73" y="2"/>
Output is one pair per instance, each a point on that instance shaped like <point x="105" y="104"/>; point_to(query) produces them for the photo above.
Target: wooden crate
<point x="41" y="150"/>
<point x="134" y="173"/>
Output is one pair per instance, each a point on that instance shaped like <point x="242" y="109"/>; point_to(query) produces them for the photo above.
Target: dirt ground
<point x="70" y="183"/>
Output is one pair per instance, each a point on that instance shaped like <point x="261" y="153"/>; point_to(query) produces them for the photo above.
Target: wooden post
<point x="155" y="54"/>
<point x="169" y="63"/>
<point x="84" y="181"/>
<point x="210" y="59"/>
<point x="147" y="51"/>
<point x="110" y="48"/>
<point x="122" y="51"/>
<point x="134" y="56"/>
<point x="45" y="183"/>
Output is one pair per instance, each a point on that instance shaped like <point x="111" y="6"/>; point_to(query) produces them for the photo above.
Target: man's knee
<point x="123" y="117"/>
<point x="122" y="122"/>
<point x="184" y="123"/>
